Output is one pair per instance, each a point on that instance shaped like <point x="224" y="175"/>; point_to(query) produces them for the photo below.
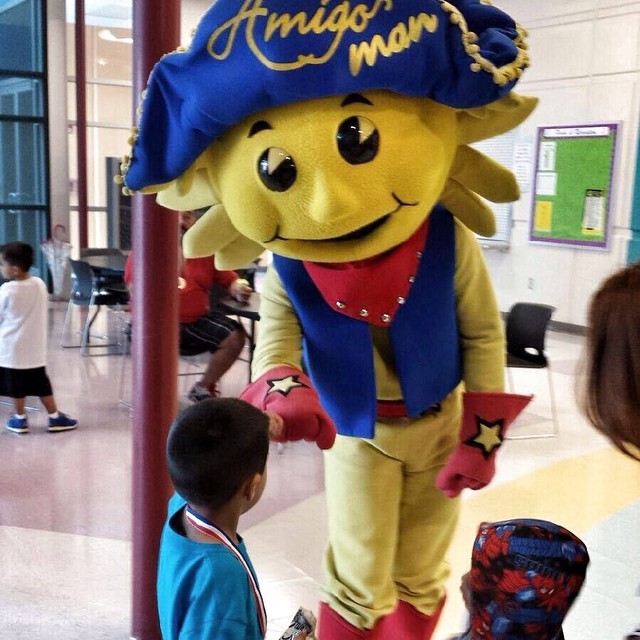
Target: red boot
<point x="407" y="623"/>
<point x="332" y="626"/>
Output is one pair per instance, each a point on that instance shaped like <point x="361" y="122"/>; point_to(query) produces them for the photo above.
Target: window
<point x="501" y="149"/>
<point x="108" y="96"/>
<point x="24" y="197"/>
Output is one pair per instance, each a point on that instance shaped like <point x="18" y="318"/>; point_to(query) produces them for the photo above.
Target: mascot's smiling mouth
<point x="362" y="232"/>
<point x="359" y="233"/>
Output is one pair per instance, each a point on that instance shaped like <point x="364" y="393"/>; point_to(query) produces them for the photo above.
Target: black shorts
<point x="19" y="383"/>
<point x="205" y="334"/>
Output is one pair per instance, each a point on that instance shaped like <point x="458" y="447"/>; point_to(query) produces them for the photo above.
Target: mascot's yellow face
<point x="334" y="179"/>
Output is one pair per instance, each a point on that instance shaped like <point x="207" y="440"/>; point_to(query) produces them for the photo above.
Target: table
<point x="249" y="310"/>
<point x="111" y="263"/>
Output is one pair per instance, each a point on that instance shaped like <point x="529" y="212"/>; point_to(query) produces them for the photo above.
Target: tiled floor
<point x="65" y="515"/>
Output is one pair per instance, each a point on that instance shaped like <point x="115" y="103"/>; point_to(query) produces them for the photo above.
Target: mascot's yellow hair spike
<point x="483" y="175"/>
<point x="495" y="118"/>
<point x="191" y="190"/>
<point x="214" y="233"/>
<point x="474" y="174"/>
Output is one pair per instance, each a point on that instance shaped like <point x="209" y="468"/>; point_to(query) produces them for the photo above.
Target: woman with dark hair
<point x="610" y="397"/>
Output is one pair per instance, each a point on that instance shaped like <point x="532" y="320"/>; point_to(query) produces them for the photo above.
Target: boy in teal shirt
<point x="207" y="587"/>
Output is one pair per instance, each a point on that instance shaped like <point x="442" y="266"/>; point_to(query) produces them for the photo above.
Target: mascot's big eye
<point x="277" y="169"/>
<point x="358" y="140"/>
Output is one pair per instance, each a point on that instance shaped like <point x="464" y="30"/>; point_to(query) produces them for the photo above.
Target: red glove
<point x="485" y="418"/>
<point x="288" y="392"/>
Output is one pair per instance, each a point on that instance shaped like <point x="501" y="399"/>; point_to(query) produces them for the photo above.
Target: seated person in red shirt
<point x="201" y="328"/>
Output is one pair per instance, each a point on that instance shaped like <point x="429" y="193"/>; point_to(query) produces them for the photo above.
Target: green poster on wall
<point x="573" y="178"/>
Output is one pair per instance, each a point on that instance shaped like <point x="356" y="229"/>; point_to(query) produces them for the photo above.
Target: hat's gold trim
<point x="501" y="75"/>
<point x="125" y="161"/>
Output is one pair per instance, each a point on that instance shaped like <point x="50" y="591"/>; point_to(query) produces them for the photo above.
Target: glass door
<point x="24" y="194"/>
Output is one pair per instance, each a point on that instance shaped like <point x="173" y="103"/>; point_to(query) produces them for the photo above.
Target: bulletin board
<point x="573" y="179"/>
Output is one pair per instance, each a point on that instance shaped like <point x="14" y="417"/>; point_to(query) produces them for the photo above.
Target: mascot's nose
<point x="331" y="197"/>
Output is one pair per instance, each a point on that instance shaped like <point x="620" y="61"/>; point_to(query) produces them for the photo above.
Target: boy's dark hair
<point x="213" y="447"/>
<point x="611" y="394"/>
<point x="17" y="254"/>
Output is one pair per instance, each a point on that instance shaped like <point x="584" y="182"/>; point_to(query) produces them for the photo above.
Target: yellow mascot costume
<point x="336" y="133"/>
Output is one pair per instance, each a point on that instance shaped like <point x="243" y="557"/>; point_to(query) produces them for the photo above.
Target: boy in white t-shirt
<point x="23" y="340"/>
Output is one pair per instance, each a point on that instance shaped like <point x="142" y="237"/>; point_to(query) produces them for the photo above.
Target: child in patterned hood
<point x="525" y="575"/>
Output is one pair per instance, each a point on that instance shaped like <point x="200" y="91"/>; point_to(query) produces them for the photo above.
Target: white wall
<point x="585" y="68"/>
<point x="190" y="13"/>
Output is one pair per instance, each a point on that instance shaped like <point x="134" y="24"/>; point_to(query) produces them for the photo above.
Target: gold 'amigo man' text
<point x="339" y="20"/>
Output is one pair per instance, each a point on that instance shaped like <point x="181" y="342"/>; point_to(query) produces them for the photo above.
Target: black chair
<point x="126" y="329"/>
<point x="526" y="329"/>
<point x="104" y="277"/>
<point x="87" y="291"/>
<point x="186" y="356"/>
<point x="250" y="311"/>
<point x="219" y="300"/>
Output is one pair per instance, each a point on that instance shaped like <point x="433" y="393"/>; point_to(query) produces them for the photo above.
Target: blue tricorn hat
<point x="249" y="55"/>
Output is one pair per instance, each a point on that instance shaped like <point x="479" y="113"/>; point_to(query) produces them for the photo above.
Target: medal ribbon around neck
<point x="210" y="530"/>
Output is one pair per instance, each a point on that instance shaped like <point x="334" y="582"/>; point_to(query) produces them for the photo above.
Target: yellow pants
<point x="389" y="526"/>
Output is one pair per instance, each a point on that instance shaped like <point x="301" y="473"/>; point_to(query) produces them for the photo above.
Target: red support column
<point x="156" y="31"/>
<point x="81" y="122"/>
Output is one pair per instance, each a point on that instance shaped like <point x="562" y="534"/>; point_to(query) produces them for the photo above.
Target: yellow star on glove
<point x="488" y="436"/>
<point x="284" y="385"/>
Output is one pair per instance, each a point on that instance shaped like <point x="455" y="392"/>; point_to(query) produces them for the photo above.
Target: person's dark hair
<point x="611" y="395"/>
<point x="213" y="447"/>
<point x="17" y="254"/>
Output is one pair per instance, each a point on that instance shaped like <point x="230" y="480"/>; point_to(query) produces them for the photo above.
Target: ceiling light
<point x="107" y="34"/>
